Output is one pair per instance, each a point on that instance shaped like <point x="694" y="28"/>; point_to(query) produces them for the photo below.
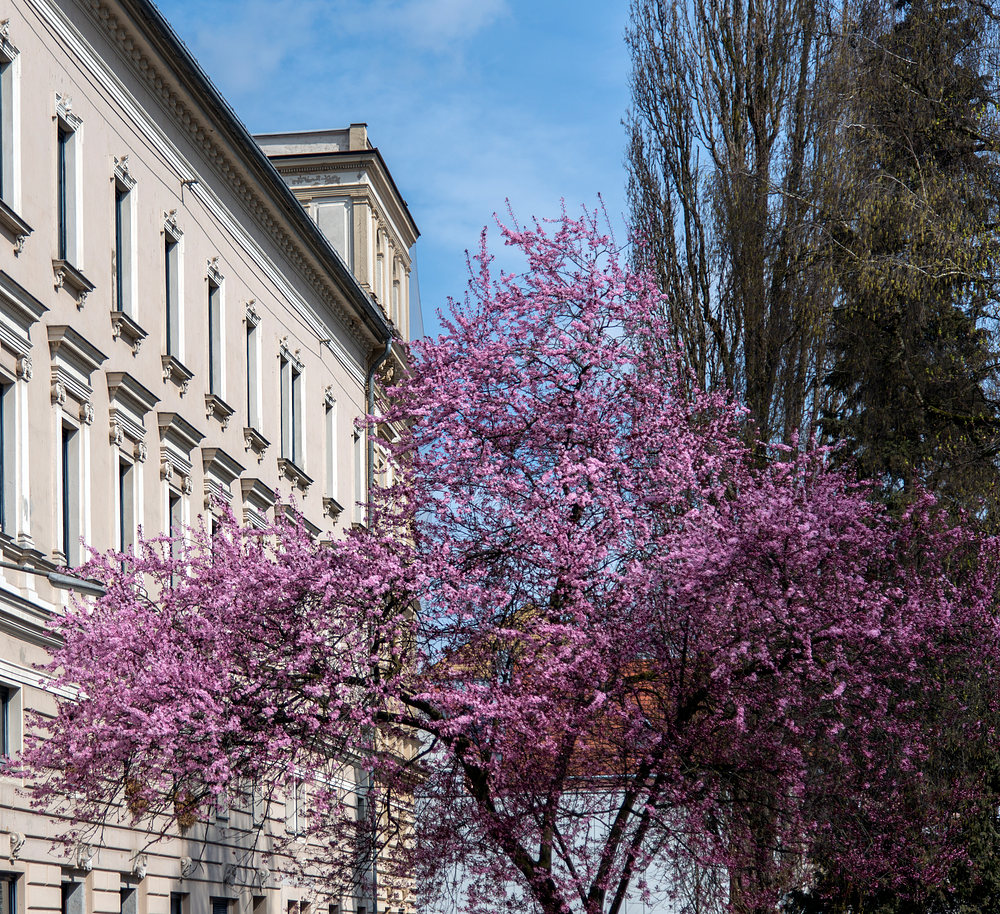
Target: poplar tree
<point x="913" y="377"/>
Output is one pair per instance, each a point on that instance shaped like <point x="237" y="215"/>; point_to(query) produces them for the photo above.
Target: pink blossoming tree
<point x="586" y="636"/>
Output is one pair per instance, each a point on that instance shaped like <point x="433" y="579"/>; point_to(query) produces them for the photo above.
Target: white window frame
<point x="215" y="308"/>
<point x="69" y="184"/>
<point x="253" y="376"/>
<point x="332" y="455"/>
<point x="10" y="121"/>
<point x="360" y="480"/>
<point x="71" y="490"/>
<point x="173" y="292"/>
<point x="125" y="285"/>
<point x="292" y="373"/>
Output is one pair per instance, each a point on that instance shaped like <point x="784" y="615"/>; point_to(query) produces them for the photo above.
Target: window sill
<point x="174" y="370"/>
<point x="294" y="474"/>
<point x="219" y="408"/>
<point x="66" y="275"/>
<point x="14" y="224"/>
<point x="125" y="329"/>
<point x="255" y="442"/>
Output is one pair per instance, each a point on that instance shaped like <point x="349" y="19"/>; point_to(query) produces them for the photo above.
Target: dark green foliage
<point x="914" y="359"/>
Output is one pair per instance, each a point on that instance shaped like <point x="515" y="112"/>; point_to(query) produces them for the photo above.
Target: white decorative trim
<point x="213" y="272"/>
<point x="288" y="355"/>
<point x="250" y="314"/>
<point x="122" y="174"/>
<point x="64" y="111"/>
<point x="170" y="225"/>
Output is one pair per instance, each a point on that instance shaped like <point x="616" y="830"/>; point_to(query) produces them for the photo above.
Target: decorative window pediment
<point x="258" y="499"/>
<point x="178" y="438"/>
<point x="221" y="471"/>
<point x="74" y="359"/>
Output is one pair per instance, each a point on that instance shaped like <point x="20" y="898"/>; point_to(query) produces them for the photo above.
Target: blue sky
<point x="471" y="102"/>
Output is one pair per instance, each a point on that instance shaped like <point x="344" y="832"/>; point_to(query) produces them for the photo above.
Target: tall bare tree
<point x="736" y="107"/>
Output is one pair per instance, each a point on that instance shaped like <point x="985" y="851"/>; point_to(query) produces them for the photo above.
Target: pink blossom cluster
<point x="589" y="637"/>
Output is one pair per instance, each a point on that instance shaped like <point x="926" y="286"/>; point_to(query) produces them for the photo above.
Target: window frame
<point x="69" y="191"/>
<point x="291" y="372"/>
<point x="71" y="490"/>
<point x="172" y="277"/>
<point x="124" y="286"/>
<point x="10" y="118"/>
<point x="215" y="319"/>
<point x="253" y="372"/>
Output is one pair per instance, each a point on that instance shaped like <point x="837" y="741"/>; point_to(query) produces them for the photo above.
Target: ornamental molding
<point x="290" y="355"/>
<point x="250" y="313"/>
<point x="128" y="404"/>
<point x="170" y="224"/>
<point x="213" y="271"/>
<point x="83" y="855"/>
<point x="221" y="471"/>
<point x="74" y="359"/>
<point x="64" y="112"/>
<point x="17" y="841"/>
<point x="122" y="173"/>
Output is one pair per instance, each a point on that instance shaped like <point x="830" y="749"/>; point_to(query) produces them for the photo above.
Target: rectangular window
<point x="8" y="443"/>
<point x="6" y="130"/>
<point x="123" y="249"/>
<point x="331" y="450"/>
<point x="68" y="190"/>
<point x="8" y="894"/>
<point x="126" y="505"/>
<point x="291" y="412"/>
<point x="71" y="495"/>
<point x="175" y="519"/>
<point x="72" y="898"/>
<point x="215" y="342"/>
<point x="63" y="203"/>
<point x="129" y="898"/>
<point x="5" y="741"/>
<point x="178" y="903"/>
<point x="171" y="294"/>
<point x="259" y="904"/>
<point x="253" y="374"/>
<point x="360" y="514"/>
<point x="294" y="816"/>
<point x="220" y="906"/>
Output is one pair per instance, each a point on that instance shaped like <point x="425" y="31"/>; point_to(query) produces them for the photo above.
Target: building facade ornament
<point x="87" y="412"/>
<point x="17" y="841"/>
<point x="58" y="393"/>
<point x="24" y="368"/>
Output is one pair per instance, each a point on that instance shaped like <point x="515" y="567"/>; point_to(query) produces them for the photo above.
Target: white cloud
<point x="439" y="24"/>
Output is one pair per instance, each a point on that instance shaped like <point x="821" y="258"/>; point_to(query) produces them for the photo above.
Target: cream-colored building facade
<point x="185" y="317"/>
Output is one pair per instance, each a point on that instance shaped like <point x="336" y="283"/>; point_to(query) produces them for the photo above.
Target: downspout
<point x="370" y="385"/>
